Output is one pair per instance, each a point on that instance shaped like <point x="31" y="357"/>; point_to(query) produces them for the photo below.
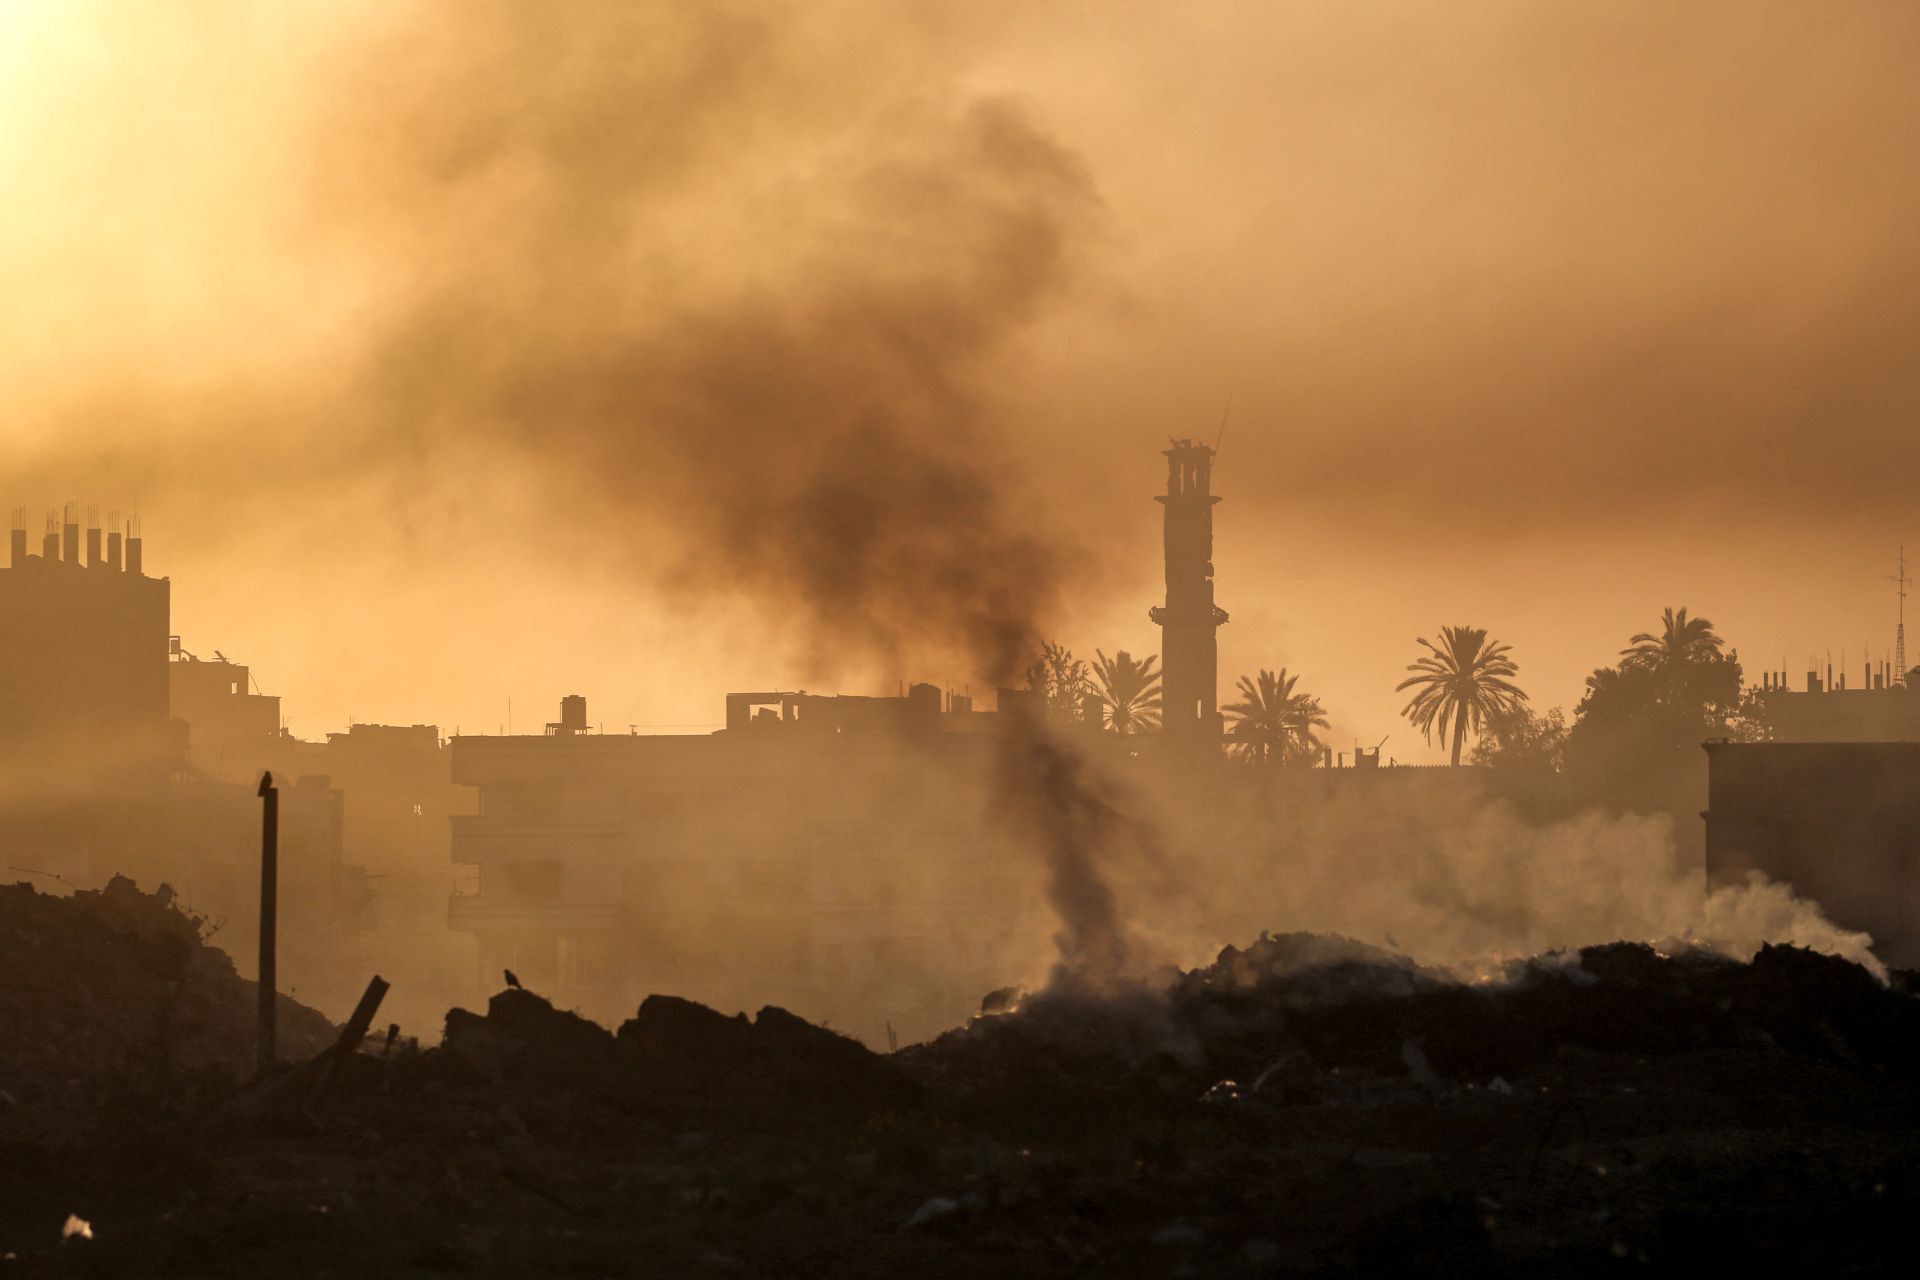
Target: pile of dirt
<point x="117" y="984"/>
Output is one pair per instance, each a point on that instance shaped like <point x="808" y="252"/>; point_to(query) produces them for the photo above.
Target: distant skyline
<point x="1557" y="640"/>
<point x="456" y="354"/>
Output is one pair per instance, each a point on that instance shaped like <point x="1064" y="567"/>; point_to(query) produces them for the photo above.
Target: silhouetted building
<point x="822" y="851"/>
<point x="83" y="674"/>
<point x="399" y="801"/>
<point x="231" y="731"/>
<point x="1878" y="709"/>
<point x="1838" y="821"/>
<point x="86" y="745"/>
<point x="1189" y="620"/>
<point x="395" y="797"/>
<point x="920" y="709"/>
<point x="105" y="748"/>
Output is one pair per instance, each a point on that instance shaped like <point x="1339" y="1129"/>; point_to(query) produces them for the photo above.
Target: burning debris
<point x="1305" y="1103"/>
<point x="1305" y="1017"/>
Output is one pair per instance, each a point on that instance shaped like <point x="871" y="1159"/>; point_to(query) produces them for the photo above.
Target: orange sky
<point x="455" y="353"/>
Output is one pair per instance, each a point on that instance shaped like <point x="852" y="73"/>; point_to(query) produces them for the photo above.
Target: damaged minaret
<point x="1189" y="649"/>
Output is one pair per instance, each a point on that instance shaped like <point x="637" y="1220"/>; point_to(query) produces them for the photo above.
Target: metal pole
<point x="269" y="898"/>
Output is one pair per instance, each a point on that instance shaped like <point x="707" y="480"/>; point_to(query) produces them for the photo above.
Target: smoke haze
<point x="1457" y="879"/>
<point x="422" y="298"/>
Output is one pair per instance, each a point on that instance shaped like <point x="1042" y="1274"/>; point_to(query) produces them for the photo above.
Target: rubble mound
<point x="1298" y="1016"/>
<point x="1302" y="1105"/>
<point x="117" y="982"/>
<point x="679" y="1054"/>
<point x="1334" y="957"/>
<point x="523" y="1040"/>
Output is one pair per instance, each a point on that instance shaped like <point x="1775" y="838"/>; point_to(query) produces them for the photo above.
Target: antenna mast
<point x="1900" y="633"/>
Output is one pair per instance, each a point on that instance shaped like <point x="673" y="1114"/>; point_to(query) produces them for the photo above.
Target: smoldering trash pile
<point x="1305" y="1105"/>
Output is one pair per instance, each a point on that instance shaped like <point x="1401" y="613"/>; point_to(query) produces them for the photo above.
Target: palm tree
<point x="1461" y="683"/>
<point x="1681" y="639"/>
<point x="1129" y="691"/>
<point x="1274" y="722"/>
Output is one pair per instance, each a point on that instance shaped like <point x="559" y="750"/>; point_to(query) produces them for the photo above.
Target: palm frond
<point x="1460" y="681"/>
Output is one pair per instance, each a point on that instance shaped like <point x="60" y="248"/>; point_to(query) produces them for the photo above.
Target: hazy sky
<point x="461" y="352"/>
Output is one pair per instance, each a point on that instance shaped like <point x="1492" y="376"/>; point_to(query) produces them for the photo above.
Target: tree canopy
<point x="1521" y="739"/>
<point x="1060" y="681"/>
<point x="1636" y="734"/>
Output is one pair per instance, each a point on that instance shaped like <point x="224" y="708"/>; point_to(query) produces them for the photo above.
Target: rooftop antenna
<point x="1223" y="425"/>
<point x="1900" y="581"/>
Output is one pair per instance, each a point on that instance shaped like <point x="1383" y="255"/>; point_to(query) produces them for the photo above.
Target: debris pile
<point x="1305" y="1104"/>
<point x="115" y="983"/>
<point x="678" y="1053"/>
<point x="1304" y="1016"/>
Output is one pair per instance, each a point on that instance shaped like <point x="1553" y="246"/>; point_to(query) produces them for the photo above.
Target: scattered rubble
<point x="1302" y="1105"/>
